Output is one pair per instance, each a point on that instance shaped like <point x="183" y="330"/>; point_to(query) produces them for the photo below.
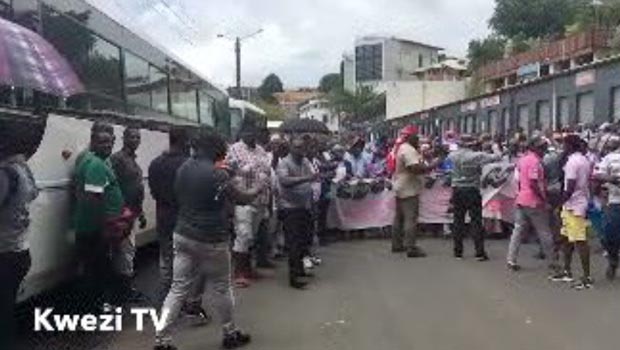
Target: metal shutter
<point x="585" y="108"/>
<point x="506" y="120"/>
<point x="493" y="122"/>
<point x="563" y="112"/>
<point x="616" y="103"/>
<point x="523" y="113"/>
<point x="544" y="115"/>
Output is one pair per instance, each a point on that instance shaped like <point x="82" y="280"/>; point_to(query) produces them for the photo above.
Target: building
<point x="291" y="99"/>
<point x="450" y="69"/>
<point x="347" y="72"/>
<point x="405" y="97"/>
<point x="547" y="59"/>
<point x="391" y="59"/>
<point x="318" y="109"/>
<point x="588" y="94"/>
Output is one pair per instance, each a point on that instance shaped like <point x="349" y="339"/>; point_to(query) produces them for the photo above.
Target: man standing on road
<point x="577" y="173"/>
<point x="17" y="190"/>
<point x="250" y="163"/>
<point x="99" y="219"/>
<point x="408" y="179"/>
<point x="295" y="178"/>
<point x="466" y="196"/>
<point x="201" y="237"/>
<point x="608" y="170"/>
<point x="532" y="209"/>
<point x="130" y="179"/>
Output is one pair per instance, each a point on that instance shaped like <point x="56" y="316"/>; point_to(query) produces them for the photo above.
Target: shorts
<point x="574" y="227"/>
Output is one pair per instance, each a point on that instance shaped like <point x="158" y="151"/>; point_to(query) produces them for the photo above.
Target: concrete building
<point x="318" y="109"/>
<point x="290" y="100"/>
<point x="406" y="97"/>
<point x="547" y="59"/>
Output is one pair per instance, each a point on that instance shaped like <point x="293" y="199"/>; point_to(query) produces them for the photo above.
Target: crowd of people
<point x="267" y="196"/>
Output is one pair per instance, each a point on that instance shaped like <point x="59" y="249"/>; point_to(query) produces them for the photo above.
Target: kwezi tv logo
<point x="46" y="321"/>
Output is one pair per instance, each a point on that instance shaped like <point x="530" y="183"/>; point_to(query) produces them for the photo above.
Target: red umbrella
<point x="27" y="60"/>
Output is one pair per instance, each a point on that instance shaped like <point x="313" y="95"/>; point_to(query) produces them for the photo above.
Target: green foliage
<point x="270" y="85"/>
<point x="363" y="105"/>
<point x="533" y="18"/>
<point x="483" y="51"/>
<point x="330" y="82"/>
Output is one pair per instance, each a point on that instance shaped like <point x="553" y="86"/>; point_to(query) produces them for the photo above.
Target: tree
<point x="534" y="18"/>
<point x="363" y="105"/>
<point x="330" y="82"/>
<point x="483" y="51"/>
<point x="270" y="85"/>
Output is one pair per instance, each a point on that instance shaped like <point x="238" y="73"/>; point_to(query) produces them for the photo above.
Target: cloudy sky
<point x="301" y="39"/>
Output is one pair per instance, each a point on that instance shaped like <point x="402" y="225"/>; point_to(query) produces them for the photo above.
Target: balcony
<point x="571" y="47"/>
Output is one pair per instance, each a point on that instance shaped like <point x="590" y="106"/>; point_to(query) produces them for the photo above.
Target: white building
<point x="318" y="109"/>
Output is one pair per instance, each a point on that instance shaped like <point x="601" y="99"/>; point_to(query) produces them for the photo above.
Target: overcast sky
<point x="302" y="39"/>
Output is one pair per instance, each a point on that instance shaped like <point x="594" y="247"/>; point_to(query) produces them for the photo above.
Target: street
<point x="364" y="297"/>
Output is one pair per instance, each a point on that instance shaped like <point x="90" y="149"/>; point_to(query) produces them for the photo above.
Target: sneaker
<point x="611" y="273"/>
<point x="584" y="283"/>
<point x="242" y="282"/>
<point x="513" y="267"/>
<point x="458" y="256"/>
<point x="235" y="339"/>
<point x="165" y="347"/>
<point x="563" y="276"/>
<point x="397" y="250"/>
<point x="297" y="284"/>
<point x="308" y="265"/>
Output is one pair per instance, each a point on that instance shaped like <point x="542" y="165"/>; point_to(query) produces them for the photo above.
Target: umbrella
<point x="301" y="126"/>
<point x="27" y="60"/>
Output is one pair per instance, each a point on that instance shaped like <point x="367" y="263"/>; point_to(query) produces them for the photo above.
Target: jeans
<point x="539" y="220"/>
<point x="264" y="242"/>
<point x="101" y="281"/>
<point x="166" y="220"/>
<point x="297" y="229"/>
<point x="468" y="200"/>
<point x="13" y="268"/>
<point x="406" y="223"/>
<point x="193" y="261"/>
<point x="611" y="241"/>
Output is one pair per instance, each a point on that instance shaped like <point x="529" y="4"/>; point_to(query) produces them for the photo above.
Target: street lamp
<point x="237" y="41"/>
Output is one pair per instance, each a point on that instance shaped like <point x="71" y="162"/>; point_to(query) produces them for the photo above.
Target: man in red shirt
<point x="532" y="210"/>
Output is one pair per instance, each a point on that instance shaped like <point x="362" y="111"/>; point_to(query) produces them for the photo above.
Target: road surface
<point x="365" y="298"/>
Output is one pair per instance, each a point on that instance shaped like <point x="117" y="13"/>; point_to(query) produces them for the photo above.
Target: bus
<point x="129" y="82"/>
<point x="245" y="112"/>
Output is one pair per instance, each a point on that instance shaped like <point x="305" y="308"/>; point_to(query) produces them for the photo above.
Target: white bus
<point x="242" y="111"/>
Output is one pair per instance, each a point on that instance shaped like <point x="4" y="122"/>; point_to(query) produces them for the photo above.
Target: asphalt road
<point x="365" y="298"/>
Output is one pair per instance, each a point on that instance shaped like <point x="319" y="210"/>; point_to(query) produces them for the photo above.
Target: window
<point x="137" y="80"/>
<point x="523" y="115"/>
<point x="369" y="62"/>
<point x="206" y="108"/>
<point x="471" y="124"/>
<point x="543" y="116"/>
<point x="325" y="120"/>
<point x="615" y="103"/>
<point x="563" y="117"/>
<point x="483" y="124"/>
<point x="158" y="80"/>
<point x="420" y="60"/>
<point x="95" y="60"/>
<point x="183" y="99"/>
<point x="5" y="8"/>
<point x="585" y="108"/>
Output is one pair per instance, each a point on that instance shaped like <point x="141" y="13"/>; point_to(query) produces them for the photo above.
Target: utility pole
<point x="237" y="41"/>
<point x="238" y="59"/>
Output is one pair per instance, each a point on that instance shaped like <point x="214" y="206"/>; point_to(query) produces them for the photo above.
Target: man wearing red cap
<point x="408" y="179"/>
